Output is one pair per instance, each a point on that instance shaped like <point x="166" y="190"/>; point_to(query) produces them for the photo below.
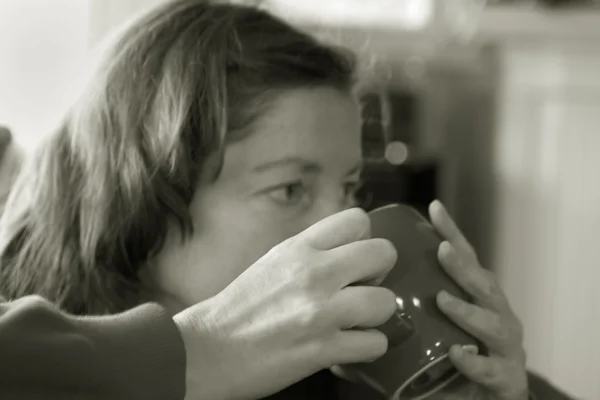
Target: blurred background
<point x="492" y="106"/>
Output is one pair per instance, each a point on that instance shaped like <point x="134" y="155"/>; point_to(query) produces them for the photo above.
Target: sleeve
<point x="47" y="354"/>
<point x="540" y="389"/>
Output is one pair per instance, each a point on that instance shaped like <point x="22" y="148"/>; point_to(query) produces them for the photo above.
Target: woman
<point x="209" y="134"/>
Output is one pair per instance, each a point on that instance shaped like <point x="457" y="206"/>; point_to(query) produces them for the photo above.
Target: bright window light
<point x="42" y="42"/>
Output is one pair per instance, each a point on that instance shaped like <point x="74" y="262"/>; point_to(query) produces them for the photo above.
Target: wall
<point x="106" y="15"/>
<point x="519" y="120"/>
<point x="546" y="176"/>
<point x="41" y="45"/>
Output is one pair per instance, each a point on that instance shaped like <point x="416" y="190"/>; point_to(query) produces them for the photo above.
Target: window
<point x="41" y="44"/>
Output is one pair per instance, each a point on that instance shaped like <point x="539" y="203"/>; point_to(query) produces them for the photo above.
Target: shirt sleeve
<point x="541" y="389"/>
<point x="45" y="353"/>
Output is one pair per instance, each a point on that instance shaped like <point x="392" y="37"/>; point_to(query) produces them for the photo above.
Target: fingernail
<point x="437" y="205"/>
<point x="471" y="349"/>
<point x="446" y="248"/>
<point x="445" y="297"/>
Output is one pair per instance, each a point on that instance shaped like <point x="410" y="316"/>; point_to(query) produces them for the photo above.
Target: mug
<point x="416" y="364"/>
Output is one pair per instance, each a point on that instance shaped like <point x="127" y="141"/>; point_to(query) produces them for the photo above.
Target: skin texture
<point x="300" y="164"/>
<point x="501" y="374"/>
<point x="296" y="167"/>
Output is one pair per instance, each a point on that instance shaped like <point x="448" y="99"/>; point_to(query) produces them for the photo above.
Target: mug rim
<point x="391" y="205"/>
<point x="443" y="384"/>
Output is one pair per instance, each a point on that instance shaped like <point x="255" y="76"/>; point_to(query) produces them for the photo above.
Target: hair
<point x="92" y="204"/>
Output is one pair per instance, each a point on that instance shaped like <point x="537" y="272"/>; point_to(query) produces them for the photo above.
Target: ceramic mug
<point x="416" y="364"/>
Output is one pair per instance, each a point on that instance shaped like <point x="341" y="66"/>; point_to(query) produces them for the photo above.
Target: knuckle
<point x="491" y="278"/>
<point x="37" y="300"/>
<point x="522" y="356"/>
<point x="289" y="243"/>
<point x="460" y="261"/>
<point x="486" y="287"/>
<point x="311" y="279"/>
<point x="313" y="317"/>
<point x="500" y="333"/>
<point x="520" y="329"/>
<point x="464" y="267"/>
<point x="380" y="345"/>
<point x="467" y="311"/>
<point x="471" y="254"/>
<point x="490" y="373"/>
<point x="37" y="303"/>
<point x="306" y="272"/>
<point x="490" y="287"/>
<point x="517" y="332"/>
<point x="37" y="306"/>
<point x="291" y="253"/>
<point x="475" y="286"/>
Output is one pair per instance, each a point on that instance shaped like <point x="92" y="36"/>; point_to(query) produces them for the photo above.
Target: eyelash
<point x="350" y="190"/>
<point x="285" y="190"/>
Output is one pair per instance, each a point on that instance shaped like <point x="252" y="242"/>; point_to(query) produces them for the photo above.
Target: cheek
<point x="209" y="261"/>
<point x="183" y="271"/>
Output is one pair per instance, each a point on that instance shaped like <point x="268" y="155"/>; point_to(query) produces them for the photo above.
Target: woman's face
<point x="300" y="164"/>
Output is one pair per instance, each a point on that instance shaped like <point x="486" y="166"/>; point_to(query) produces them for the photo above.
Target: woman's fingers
<point x="356" y="346"/>
<point x="368" y="260"/>
<point x="490" y="319"/>
<point x="486" y="371"/>
<point x="460" y="261"/>
<point x="500" y="334"/>
<point x="363" y="306"/>
<point x="496" y="374"/>
<point x="360" y="307"/>
<point x="338" y="229"/>
<point x="476" y="281"/>
<point x="446" y="226"/>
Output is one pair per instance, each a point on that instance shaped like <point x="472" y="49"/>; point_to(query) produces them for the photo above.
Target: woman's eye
<point x="290" y="194"/>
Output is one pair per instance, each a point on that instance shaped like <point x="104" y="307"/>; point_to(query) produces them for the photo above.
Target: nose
<point x="328" y="206"/>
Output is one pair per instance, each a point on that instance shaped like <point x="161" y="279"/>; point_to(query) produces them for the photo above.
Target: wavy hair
<point x="92" y="204"/>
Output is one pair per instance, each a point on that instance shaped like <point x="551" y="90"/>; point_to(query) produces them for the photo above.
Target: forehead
<point x="320" y="124"/>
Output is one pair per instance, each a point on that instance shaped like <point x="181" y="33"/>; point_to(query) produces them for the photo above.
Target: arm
<point x="135" y="355"/>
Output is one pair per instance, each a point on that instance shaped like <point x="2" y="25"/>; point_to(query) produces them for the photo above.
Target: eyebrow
<point x="304" y="164"/>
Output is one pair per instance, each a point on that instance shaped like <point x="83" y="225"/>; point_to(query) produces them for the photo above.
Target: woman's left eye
<point x="290" y="194"/>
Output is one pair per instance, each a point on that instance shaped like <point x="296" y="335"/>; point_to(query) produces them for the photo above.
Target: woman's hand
<point x="501" y="374"/>
<point x="291" y="314"/>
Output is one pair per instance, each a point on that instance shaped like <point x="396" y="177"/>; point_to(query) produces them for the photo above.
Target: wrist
<point x="198" y="331"/>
